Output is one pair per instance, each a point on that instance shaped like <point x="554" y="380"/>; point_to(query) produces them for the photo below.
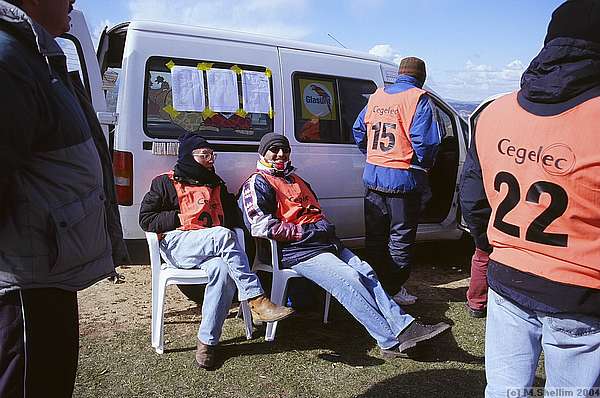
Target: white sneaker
<point x="404" y="298"/>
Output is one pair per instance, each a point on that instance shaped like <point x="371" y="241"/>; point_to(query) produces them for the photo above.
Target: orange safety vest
<point x="388" y="119"/>
<point x="542" y="178"/>
<point x="199" y="206"/>
<point x="296" y="203"/>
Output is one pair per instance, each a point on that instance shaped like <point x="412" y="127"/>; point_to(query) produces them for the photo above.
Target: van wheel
<point x="193" y="292"/>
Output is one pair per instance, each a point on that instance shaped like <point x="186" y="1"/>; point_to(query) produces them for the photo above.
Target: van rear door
<point x="79" y="50"/>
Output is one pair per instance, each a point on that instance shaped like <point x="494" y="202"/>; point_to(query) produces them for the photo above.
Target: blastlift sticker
<point x="317" y="99"/>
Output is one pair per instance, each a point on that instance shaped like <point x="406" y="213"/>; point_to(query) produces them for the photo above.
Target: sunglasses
<point x="276" y="149"/>
<point x="205" y="155"/>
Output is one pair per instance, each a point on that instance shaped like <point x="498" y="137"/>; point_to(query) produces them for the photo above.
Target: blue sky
<point x="473" y="49"/>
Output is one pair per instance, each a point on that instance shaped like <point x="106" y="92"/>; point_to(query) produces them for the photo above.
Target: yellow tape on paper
<point x="207" y="113"/>
<point x="171" y="111"/>
<point x="236" y="69"/>
<point x="268" y="73"/>
<point x="271" y="113"/>
<point x="241" y="113"/>
<point x="204" y="65"/>
<point x="170" y="64"/>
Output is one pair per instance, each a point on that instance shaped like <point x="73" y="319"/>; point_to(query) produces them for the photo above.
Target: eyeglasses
<point x="205" y="155"/>
<point x="276" y="149"/>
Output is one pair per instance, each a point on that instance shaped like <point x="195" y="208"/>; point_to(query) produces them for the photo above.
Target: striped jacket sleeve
<point x="258" y="203"/>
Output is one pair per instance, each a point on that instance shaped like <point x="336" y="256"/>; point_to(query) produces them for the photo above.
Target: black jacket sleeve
<point x="474" y="204"/>
<point x="159" y="211"/>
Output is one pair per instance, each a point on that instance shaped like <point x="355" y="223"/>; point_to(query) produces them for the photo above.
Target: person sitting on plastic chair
<point x="277" y="204"/>
<point x="191" y="210"/>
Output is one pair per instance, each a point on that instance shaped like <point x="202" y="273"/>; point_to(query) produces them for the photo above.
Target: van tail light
<point x="123" y="171"/>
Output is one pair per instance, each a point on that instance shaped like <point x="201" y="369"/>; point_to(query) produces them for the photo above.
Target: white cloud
<point x="271" y="17"/>
<point x="386" y="51"/>
<point x="476" y="82"/>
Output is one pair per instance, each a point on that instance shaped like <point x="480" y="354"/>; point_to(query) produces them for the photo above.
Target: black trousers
<point x="39" y="343"/>
<point x="391" y="222"/>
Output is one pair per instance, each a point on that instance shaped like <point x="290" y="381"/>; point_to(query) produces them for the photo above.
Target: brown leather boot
<point x="264" y="310"/>
<point x="206" y="355"/>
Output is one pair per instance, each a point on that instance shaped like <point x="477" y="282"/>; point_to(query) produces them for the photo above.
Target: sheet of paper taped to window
<point x="256" y="92"/>
<point x="222" y="90"/>
<point x="188" y="89"/>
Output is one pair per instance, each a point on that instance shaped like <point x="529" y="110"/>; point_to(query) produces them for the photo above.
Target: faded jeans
<point x="217" y="251"/>
<point x="515" y="336"/>
<point x="354" y="284"/>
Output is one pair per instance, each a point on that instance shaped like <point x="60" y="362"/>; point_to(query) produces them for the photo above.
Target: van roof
<point x="196" y="31"/>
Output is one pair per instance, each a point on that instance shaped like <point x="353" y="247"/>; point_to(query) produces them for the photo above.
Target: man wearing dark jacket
<point x="531" y="191"/>
<point x="279" y="205"/>
<point x="59" y="224"/>
<point x="398" y="133"/>
<point x="193" y="214"/>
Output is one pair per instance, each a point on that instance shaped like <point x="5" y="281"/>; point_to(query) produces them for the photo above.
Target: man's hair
<point x="17" y="3"/>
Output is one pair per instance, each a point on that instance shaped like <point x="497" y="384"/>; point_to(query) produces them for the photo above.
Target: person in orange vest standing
<point x="193" y="212"/>
<point x="278" y="204"/>
<point x="534" y="164"/>
<point x="398" y="133"/>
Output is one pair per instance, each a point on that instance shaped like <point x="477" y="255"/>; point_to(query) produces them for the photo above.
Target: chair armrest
<point x="152" y="239"/>
<point x="274" y="255"/>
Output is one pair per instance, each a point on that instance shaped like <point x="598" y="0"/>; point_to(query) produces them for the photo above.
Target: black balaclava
<point x="187" y="168"/>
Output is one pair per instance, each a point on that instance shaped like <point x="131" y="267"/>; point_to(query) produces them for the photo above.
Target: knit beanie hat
<point x="413" y="66"/>
<point x="272" y="139"/>
<point x="188" y="142"/>
<point x="575" y="19"/>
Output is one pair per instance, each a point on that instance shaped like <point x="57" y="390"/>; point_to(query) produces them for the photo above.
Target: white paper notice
<point x="256" y="92"/>
<point x="188" y="89"/>
<point x="222" y="90"/>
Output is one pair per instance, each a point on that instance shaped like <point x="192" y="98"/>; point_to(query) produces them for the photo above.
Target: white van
<point x="252" y="85"/>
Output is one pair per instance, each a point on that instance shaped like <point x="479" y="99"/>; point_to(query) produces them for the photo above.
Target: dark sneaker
<point x="205" y="355"/>
<point x="473" y="313"/>
<point x="392" y="353"/>
<point x="417" y="332"/>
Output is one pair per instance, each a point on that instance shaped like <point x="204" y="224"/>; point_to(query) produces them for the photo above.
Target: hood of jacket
<point x="564" y="74"/>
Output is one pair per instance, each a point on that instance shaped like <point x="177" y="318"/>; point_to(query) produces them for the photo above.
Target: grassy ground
<point x="307" y="359"/>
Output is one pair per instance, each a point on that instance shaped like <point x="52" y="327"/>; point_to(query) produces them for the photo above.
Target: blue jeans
<point x="354" y="284"/>
<point x="515" y="336"/>
<point x="217" y="251"/>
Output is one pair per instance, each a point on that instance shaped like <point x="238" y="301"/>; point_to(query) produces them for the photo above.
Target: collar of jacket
<point x="269" y="170"/>
<point x="406" y="79"/>
<point x="28" y="30"/>
<point x="564" y="74"/>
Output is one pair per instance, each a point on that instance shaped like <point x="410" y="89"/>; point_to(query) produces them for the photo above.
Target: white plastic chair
<point x="164" y="275"/>
<point x="279" y="285"/>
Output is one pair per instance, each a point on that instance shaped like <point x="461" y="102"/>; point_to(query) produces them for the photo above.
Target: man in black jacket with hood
<point x="193" y="214"/>
<point x="530" y="193"/>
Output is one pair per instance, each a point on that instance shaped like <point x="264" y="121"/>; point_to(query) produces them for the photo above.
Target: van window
<point x="162" y="120"/>
<point x="75" y="59"/>
<point x="325" y="107"/>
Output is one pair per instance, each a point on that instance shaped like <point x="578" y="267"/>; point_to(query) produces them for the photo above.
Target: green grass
<point x="307" y="359"/>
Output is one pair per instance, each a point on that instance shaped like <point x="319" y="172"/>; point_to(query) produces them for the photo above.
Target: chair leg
<point x="247" y="316"/>
<point x="277" y="296"/>
<point x="326" y="311"/>
<point x="158" y="317"/>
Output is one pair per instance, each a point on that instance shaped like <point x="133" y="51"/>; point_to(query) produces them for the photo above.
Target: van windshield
<point x="220" y="101"/>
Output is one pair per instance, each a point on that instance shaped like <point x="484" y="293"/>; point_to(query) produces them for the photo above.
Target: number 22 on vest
<point x="536" y="231"/>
